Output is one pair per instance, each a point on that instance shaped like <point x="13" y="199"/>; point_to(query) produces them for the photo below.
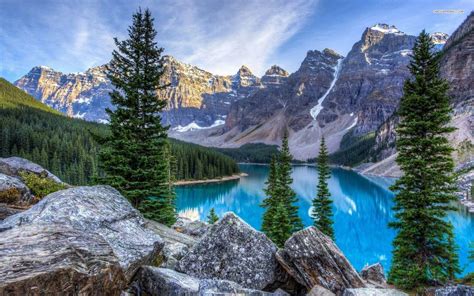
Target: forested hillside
<point x="65" y="146"/>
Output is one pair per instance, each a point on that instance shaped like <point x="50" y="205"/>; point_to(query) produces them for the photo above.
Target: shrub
<point x="40" y="186"/>
<point x="10" y="195"/>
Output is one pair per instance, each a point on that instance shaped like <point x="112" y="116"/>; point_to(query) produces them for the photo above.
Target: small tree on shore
<point x="322" y="203"/>
<point x="212" y="217"/>
<point x="424" y="249"/>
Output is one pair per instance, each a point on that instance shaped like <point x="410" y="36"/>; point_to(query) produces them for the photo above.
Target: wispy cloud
<point x="222" y="38"/>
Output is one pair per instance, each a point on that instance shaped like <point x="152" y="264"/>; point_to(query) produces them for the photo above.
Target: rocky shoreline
<point x="89" y="240"/>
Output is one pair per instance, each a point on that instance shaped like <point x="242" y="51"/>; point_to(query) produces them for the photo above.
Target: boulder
<point x="13" y="191"/>
<point x="41" y="259"/>
<point x="374" y="274"/>
<point x="453" y="290"/>
<point x="101" y="210"/>
<point x="166" y="282"/>
<point x="313" y="259"/>
<point x="6" y="211"/>
<point x="320" y="291"/>
<point x="172" y="253"/>
<point x="194" y="228"/>
<point x="373" y="292"/>
<point x="232" y="250"/>
<point x="13" y="166"/>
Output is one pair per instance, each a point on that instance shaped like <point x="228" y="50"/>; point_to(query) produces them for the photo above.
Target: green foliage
<point x="424" y="249"/>
<point x="354" y="149"/>
<point x="251" y="152"/>
<point x="40" y="186"/>
<point x="66" y="147"/>
<point x="194" y="162"/>
<point x="12" y="97"/>
<point x="281" y="218"/>
<point x="322" y="204"/>
<point x="135" y="156"/>
<point x="212" y="217"/>
<point x="34" y="131"/>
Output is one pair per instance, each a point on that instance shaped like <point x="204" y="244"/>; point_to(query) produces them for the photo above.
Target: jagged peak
<point x="276" y="70"/>
<point x="244" y="71"/>
<point x="439" y="37"/>
<point x="332" y="52"/>
<point x="386" y="29"/>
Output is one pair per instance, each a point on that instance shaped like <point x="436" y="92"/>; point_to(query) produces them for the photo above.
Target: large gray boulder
<point x="194" y="228"/>
<point x="320" y="291"/>
<point x="57" y="260"/>
<point x="313" y="259"/>
<point x="232" y="250"/>
<point x="373" y="292"/>
<point x="166" y="282"/>
<point x="97" y="209"/>
<point x="176" y="244"/>
<point x="374" y="274"/>
<point x="13" y="191"/>
<point x="454" y="290"/>
<point x="13" y="166"/>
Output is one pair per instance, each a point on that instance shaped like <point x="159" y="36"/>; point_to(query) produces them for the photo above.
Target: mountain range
<point x="344" y="99"/>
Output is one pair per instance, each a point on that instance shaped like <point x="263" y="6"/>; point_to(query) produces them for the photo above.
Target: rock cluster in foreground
<point x="91" y="241"/>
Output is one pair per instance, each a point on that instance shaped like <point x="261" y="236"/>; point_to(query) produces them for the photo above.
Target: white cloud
<point x="230" y="35"/>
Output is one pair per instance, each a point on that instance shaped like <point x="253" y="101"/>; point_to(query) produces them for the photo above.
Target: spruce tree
<point x="322" y="204"/>
<point x="284" y="190"/>
<point x="424" y="249"/>
<point x="270" y="201"/>
<point x="134" y="155"/>
<point x="212" y="217"/>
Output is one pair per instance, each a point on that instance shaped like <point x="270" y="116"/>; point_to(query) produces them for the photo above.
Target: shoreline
<point x="216" y="180"/>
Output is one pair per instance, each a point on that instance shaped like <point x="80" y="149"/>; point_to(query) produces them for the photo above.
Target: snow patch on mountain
<point x="194" y="126"/>
<point x="386" y="29"/>
<point x="316" y="109"/>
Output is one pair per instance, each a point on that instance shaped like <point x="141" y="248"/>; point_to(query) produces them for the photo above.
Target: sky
<point x="215" y="35"/>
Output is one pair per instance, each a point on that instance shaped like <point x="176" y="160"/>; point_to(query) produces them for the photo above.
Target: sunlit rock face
<point x="194" y="96"/>
<point x="370" y="83"/>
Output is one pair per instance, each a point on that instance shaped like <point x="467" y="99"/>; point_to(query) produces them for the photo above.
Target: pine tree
<point x="284" y="190"/>
<point x="134" y="155"/>
<point x="269" y="202"/>
<point x="162" y="207"/>
<point x="212" y="217"/>
<point x="424" y="249"/>
<point x="322" y="204"/>
<point x="281" y="218"/>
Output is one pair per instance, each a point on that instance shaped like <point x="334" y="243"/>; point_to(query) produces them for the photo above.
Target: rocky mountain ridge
<point x="328" y="95"/>
<point x="457" y="67"/>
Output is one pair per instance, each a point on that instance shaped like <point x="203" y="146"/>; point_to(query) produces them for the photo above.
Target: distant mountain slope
<point x="32" y="130"/>
<point x="457" y="66"/>
<point x="10" y="97"/>
<point x="339" y="98"/>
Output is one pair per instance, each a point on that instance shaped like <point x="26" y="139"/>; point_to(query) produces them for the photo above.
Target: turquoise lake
<point x="362" y="209"/>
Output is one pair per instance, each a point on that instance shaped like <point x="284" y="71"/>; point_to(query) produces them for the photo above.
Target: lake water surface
<point x="362" y="209"/>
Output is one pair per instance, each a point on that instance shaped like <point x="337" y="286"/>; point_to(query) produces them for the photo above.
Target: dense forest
<point x="66" y="146"/>
<point x="251" y="152"/>
<point x="353" y="150"/>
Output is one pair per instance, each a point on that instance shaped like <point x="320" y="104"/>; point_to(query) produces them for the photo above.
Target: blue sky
<point x="216" y="35"/>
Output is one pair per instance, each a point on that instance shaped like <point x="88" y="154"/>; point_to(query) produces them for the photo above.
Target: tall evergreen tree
<point x="424" y="249"/>
<point x="284" y="190"/>
<point x="134" y="155"/>
<point x="322" y="204"/>
<point x="281" y="218"/>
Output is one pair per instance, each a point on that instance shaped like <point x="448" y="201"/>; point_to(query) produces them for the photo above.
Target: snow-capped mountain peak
<point x="439" y="37"/>
<point x="386" y="29"/>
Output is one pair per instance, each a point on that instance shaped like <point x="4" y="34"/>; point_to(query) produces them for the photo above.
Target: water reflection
<point x="362" y="209"/>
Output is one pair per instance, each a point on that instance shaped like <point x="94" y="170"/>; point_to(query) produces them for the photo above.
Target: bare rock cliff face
<point x="457" y="67"/>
